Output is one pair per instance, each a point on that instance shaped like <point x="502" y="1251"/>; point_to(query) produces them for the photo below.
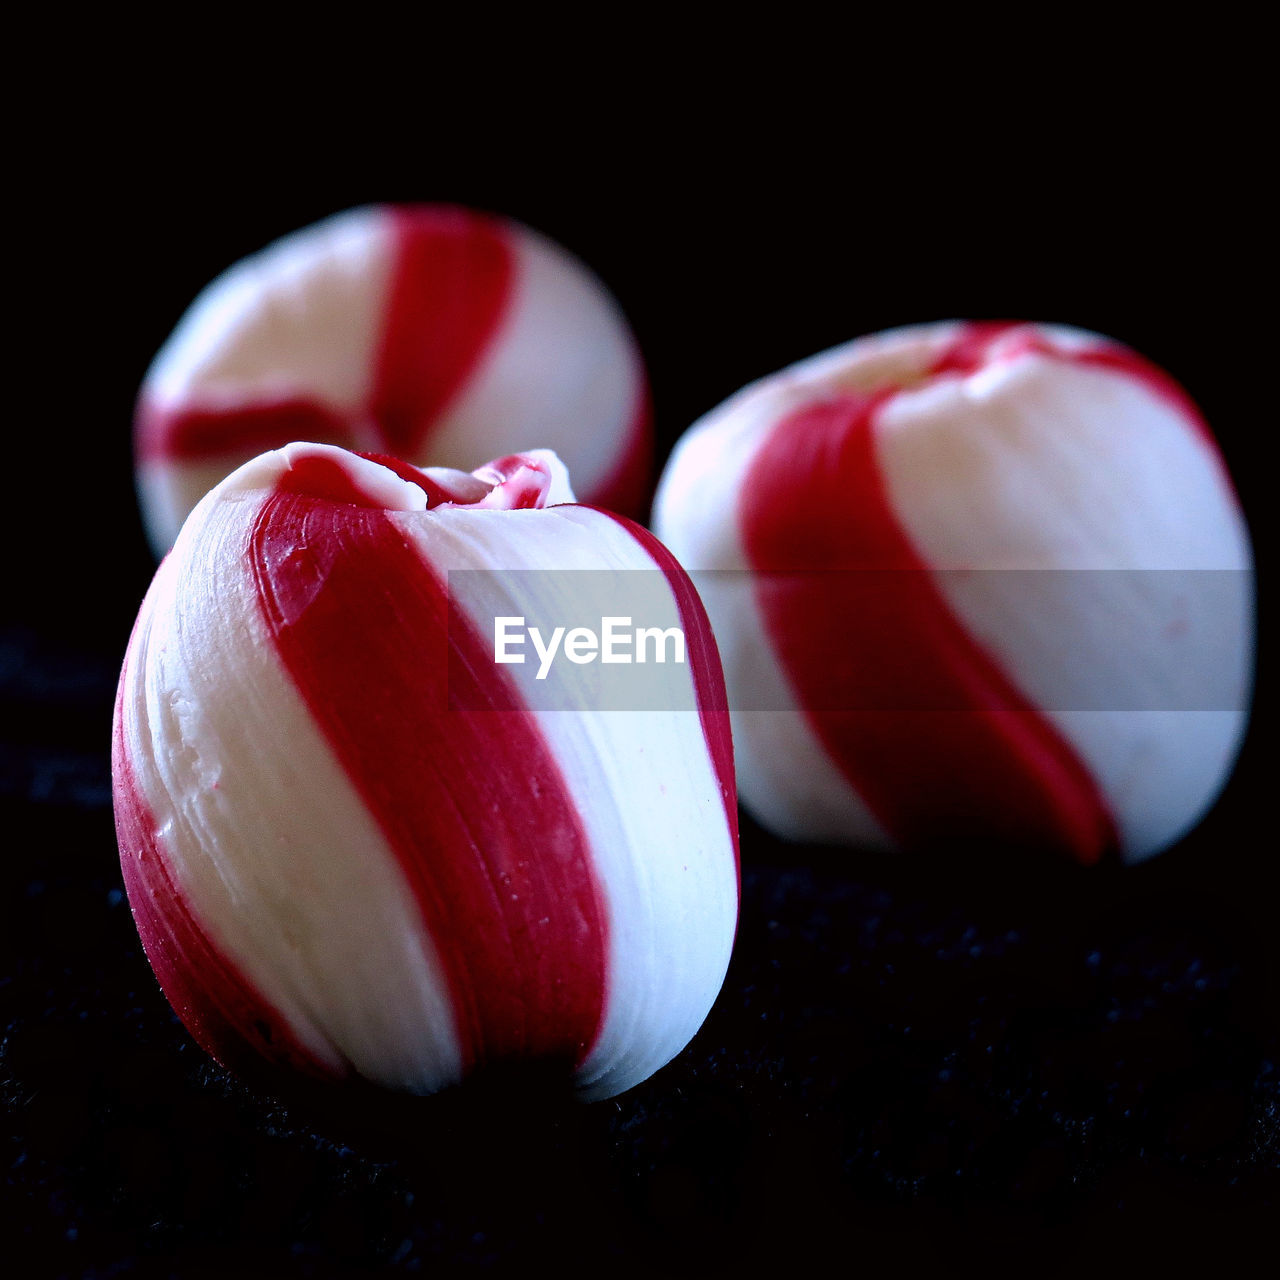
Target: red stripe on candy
<point x="922" y="722"/>
<point x="451" y="281"/>
<point x="194" y="434"/>
<point x="221" y="1008"/>
<point x="472" y="803"/>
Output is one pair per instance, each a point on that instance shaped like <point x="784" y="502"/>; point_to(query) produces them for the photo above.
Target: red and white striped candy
<point x="433" y="333"/>
<point x="335" y="869"/>
<point x="942" y="699"/>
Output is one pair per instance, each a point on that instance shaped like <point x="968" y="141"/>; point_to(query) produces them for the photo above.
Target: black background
<point x="946" y="1065"/>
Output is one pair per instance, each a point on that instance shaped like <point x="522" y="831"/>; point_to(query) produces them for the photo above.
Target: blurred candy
<point x="351" y="849"/>
<point x="998" y="590"/>
<point x="433" y="333"/>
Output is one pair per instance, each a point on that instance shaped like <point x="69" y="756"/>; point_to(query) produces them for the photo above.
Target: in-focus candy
<point x="350" y="846"/>
<point x="995" y="587"/>
<point x="434" y="333"/>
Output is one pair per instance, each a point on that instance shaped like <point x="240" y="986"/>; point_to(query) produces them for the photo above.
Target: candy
<point x="434" y="333"/>
<point x="351" y="846"/>
<point x="994" y="585"/>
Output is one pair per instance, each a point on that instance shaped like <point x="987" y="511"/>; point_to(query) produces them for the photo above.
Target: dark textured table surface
<point x="915" y="1067"/>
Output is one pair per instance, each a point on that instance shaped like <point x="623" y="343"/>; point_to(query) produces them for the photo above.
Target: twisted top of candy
<point x="517" y="482"/>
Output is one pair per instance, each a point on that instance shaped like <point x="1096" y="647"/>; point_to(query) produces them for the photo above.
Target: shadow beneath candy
<point x="504" y="1103"/>
<point x="508" y="1164"/>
